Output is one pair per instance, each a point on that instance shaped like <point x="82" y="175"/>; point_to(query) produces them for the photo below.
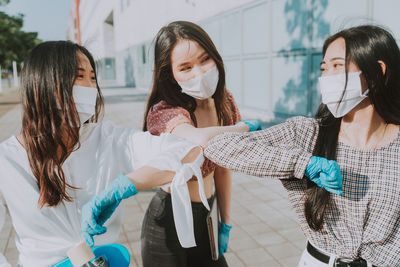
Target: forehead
<point x="186" y="50"/>
<point x="83" y="61"/>
<point x="336" y="49"/>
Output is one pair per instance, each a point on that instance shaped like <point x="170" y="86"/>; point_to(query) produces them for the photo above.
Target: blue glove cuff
<point x="254" y="125"/>
<point x="127" y="188"/>
<point x="225" y="228"/>
<point x="312" y="170"/>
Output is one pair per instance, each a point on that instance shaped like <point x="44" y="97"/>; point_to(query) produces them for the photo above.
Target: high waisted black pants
<point x="160" y="244"/>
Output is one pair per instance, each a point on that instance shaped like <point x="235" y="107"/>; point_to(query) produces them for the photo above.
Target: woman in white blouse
<point x="64" y="156"/>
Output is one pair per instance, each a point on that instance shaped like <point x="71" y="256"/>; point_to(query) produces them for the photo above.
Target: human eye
<point x="185" y="68"/>
<point x="206" y="58"/>
<point x="337" y="65"/>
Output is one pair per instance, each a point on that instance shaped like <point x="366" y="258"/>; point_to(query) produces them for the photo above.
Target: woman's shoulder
<point x="161" y="105"/>
<point x="11" y="150"/>
<point x="105" y="131"/>
<point x="303" y="124"/>
<point x="229" y="97"/>
<point x="305" y="130"/>
<point x="11" y="144"/>
<point x="303" y="120"/>
<point x="235" y="113"/>
<point x="163" y="117"/>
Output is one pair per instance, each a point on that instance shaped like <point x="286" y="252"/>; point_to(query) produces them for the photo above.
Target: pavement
<point x="265" y="229"/>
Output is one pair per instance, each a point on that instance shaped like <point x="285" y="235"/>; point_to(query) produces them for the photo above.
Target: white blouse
<point x="43" y="236"/>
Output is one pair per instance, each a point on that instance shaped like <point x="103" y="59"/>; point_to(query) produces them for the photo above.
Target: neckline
<point x="385" y="146"/>
<point x="16" y="141"/>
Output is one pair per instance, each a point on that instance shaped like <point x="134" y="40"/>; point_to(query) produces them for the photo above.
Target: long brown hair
<point x="165" y="86"/>
<point x="50" y="121"/>
<point x="365" y="46"/>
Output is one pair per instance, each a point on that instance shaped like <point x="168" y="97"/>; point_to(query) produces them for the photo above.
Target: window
<point x="144" y="54"/>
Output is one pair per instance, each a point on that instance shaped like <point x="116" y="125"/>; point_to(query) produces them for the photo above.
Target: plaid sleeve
<point x="276" y="152"/>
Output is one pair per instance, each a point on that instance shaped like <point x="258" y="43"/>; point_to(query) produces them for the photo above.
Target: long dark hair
<point x="365" y="46"/>
<point x="50" y="121"/>
<point x="164" y="85"/>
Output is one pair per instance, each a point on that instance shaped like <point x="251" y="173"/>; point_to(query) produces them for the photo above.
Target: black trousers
<point x="159" y="240"/>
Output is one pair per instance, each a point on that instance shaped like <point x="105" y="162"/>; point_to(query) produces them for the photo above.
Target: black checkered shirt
<point x="363" y="222"/>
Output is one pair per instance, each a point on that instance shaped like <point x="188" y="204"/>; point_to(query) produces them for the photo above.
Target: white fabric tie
<point x="181" y="204"/>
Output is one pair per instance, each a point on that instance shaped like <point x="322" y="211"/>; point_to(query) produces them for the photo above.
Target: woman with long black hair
<point x="65" y="156"/>
<point x="358" y="223"/>
<point x="189" y="99"/>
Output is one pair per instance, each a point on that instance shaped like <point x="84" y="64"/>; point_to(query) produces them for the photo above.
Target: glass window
<point x="290" y="30"/>
<point x="333" y="15"/>
<point x="212" y="28"/>
<point x="290" y="78"/>
<point x="385" y="12"/>
<point x="315" y="99"/>
<point x="231" y="38"/>
<point x="233" y="78"/>
<point x="256" y="84"/>
<point x="256" y="29"/>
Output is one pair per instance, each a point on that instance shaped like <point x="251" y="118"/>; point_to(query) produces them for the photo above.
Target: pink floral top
<point x="163" y="118"/>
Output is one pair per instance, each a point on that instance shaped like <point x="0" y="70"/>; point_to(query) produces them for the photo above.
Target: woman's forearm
<point x="201" y="136"/>
<point x="223" y="186"/>
<point x="147" y="177"/>
<point x="253" y="154"/>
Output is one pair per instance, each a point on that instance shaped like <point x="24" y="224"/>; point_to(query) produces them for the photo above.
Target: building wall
<point x="271" y="48"/>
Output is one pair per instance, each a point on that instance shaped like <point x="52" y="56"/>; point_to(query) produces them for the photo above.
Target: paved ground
<point x="265" y="231"/>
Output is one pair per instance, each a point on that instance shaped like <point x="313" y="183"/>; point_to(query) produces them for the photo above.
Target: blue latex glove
<point x="326" y="174"/>
<point x="254" y="125"/>
<point x="223" y="238"/>
<point x="100" y="208"/>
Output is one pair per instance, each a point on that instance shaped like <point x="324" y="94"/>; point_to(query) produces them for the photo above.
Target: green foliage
<point x="15" y="44"/>
<point x="4" y="2"/>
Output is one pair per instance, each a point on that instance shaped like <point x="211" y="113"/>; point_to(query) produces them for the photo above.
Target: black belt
<point x="339" y="262"/>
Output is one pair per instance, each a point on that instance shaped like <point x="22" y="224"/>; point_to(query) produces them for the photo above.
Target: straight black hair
<point x="365" y="46"/>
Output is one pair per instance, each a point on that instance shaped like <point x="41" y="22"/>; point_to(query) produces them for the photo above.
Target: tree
<point x="4" y="2"/>
<point x="15" y="44"/>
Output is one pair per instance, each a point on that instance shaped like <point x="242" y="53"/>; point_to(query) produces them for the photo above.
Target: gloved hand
<point x="223" y="238"/>
<point x="326" y="174"/>
<point x="100" y="208"/>
<point x="254" y="125"/>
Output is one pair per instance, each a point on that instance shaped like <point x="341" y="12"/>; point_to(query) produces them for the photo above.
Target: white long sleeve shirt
<point x="43" y="236"/>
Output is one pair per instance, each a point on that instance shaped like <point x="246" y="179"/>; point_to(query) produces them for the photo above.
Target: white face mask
<point x="202" y="86"/>
<point x="85" y="101"/>
<point x="331" y="88"/>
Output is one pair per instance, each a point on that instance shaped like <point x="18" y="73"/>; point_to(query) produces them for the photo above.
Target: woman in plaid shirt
<point x="357" y="126"/>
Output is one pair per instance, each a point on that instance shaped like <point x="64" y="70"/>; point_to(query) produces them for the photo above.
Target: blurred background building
<point x="271" y="48"/>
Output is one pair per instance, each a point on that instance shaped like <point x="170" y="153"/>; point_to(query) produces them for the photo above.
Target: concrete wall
<point x="271" y="48"/>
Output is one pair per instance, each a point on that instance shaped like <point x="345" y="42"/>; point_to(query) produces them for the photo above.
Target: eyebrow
<point x="332" y="59"/>
<point x="183" y="64"/>
<point x="81" y="69"/>
<point x="202" y="54"/>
